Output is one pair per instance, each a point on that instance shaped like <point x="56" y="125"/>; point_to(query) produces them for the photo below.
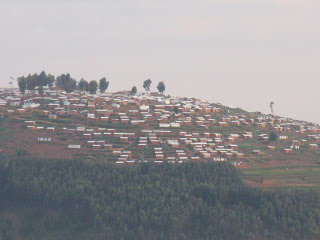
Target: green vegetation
<point x="92" y="87"/>
<point x="83" y="85"/>
<point x="103" y="85"/>
<point x="66" y="82"/>
<point x="69" y="84"/>
<point x="62" y="138"/>
<point x="161" y="87"/>
<point x="82" y="199"/>
<point x="7" y="230"/>
<point x="147" y="84"/>
<point x="176" y="109"/>
<point x="32" y="81"/>
<point x="273" y="137"/>
<point x="134" y="90"/>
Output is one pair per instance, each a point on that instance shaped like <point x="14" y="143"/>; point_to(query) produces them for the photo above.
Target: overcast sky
<point x="244" y="53"/>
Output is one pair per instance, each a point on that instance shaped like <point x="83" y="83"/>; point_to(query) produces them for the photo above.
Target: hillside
<point x="77" y="199"/>
<point x="127" y="129"/>
<point x="150" y="166"/>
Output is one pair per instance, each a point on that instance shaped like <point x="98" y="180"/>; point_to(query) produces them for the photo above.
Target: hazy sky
<point x="244" y="53"/>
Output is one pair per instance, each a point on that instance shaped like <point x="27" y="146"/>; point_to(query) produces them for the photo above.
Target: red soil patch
<point x="261" y="182"/>
<point x="243" y="166"/>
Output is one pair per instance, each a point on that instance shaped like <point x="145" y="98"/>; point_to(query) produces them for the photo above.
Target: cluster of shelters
<point x="194" y="130"/>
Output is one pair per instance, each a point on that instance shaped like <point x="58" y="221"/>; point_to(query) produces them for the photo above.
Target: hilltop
<point x="126" y="129"/>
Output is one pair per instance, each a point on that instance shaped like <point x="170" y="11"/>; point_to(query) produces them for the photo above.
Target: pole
<point x="11" y="83"/>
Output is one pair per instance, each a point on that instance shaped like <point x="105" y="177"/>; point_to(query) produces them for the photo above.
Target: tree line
<point x="64" y="81"/>
<point x="149" y="201"/>
<point x="70" y="84"/>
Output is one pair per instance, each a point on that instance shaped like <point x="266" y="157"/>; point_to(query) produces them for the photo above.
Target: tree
<point x="32" y="82"/>
<point x="176" y="109"/>
<point x="93" y="86"/>
<point x="83" y="85"/>
<point x="40" y="90"/>
<point x="22" y="83"/>
<point x="161" y="87"/>
<point x="42" y="79"/>
<point x="134" y="90"/>
<point x="103" y="85"/>
<point x="66" y="82"/>
<point x="215" y="204"/>
<point x="147" y="84"/>
<point x="273" y="137"/>
<point x="50" y="81"/>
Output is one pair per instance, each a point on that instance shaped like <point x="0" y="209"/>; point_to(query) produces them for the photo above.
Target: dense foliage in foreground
<point x="77" y="199"/>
